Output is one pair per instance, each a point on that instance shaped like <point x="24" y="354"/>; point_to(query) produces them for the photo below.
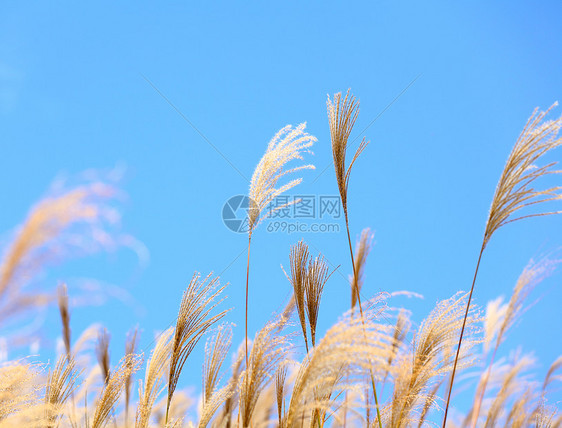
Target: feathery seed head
<point x="102" y="351"/>
<point x="514" y="190"/>
<point x="362" y="249"/>
<point x="60" y="386"/>
<point x="65" y="317"/>
<point x="194" y="319"/>
<point x="342" y="115"/>
<point x="287" y="145"/>
<point x="308" y="277"/>
<point x="113" y="389"/>
<point x="298" y="258"/>
<point x="155" y="368"/>
<point x="269" y="349"/>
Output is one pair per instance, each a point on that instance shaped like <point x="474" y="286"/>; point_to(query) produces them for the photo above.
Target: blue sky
<point x="450" y="87"/>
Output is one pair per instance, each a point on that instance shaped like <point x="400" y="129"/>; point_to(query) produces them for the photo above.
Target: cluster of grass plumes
<point x="375" y="367"/>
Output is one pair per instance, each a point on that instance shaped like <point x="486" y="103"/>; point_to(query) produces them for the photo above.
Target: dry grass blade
<point x="65" y="318"/>
<point x="532" y="274"/>
<point x="514" y="190"/>
<point x="316" y="277"/>
<point x="113" y="389"/>
<point x="287" y="145"/>
<point x="298" y="259"/>
<point x="496" y="311"/>
<point x="216" y="350"/>
<point x="362" y="249"/>
<point x="60" y="386"/>
<point x="430" y="401"/>
<point x="545" y="417"/>
<point x="217" y="398"/>
<point x="130" y="349"/>
<point x="308" y="278"/>
<point x="280" y="378"/>
<point x="269" y="348"/>
<point x="193" y="321"/>
<point x="510" y="385"/>
<point x="42" y="237"/>
<point x="342" y="115"/>
<point x="554" y="367"/>
<point x="231" y="401"/>
<point x="400" y="330"/>
<point x="430" y="358"/>
<point x="155" y="368"/>
<point x="18" y="388"/>
<point x="344" y="356"/>
<point x="506" y="315"/>
<point x="102" y="352"/>
<point x="518" y="416"/>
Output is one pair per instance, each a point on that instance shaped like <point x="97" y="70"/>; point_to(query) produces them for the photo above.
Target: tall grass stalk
<point x="515" y="192"/>
<point x="342" y="115"/>
<point x="287" y="145"/>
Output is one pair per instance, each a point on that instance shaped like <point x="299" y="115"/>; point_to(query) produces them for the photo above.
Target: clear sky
<point x="445" y="89"/>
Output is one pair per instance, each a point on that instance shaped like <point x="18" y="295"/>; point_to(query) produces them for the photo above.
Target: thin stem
<point x="319" y="421"/>
<point x="246" y="320"/>
<point x="462" y="332"/>
<point x="345" y="410"/>
<point x="356" y="284"/>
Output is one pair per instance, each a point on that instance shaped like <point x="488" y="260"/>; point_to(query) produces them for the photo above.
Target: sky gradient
<point x="185" y="97"/>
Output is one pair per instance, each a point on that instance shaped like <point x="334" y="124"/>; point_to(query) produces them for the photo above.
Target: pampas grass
<point x="342" y="115"/>
<point x="153" y="379"/>
<point x="308" y="278"/>
<point x="54" y="228"/>
<point x="113" y="389"/>
<point x="287" y="145"/>
<point x="102" y="352"/>
<point x="65" y="318"/>
<point x="292" y="374"/>
<point x="130" y="350"/>
<point x="362" y="249"/>
<point x="194" y="319"/>
<point x="514" y="191"/>
<point x="269" y="349"/>
<point x="60" y="386"/>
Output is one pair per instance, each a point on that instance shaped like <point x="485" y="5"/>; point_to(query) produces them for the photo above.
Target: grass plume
<point x="60" y="386"/>
<point x="269" y="349"/>
<point x="362" y="249"/>
<point x="102" y="352"/>
<point x="515" y="191"/>
<point x="287" y="145"/>
<point x="194" y="319"/>
<point x="65" y="318"/>
<point x="342" y="115"/>
<point x="113" y="389"/>
<point x="153" y="379"/>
